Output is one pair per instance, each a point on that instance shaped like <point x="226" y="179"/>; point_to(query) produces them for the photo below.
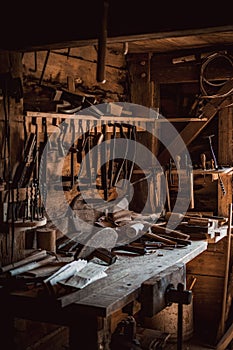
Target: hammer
<point x="212" y="150"/>
<point x="216" y="164"/>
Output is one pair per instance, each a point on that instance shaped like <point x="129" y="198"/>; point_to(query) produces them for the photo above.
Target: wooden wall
<point x="209" y="270"/>
<point x="177" y="87"/>
<point x="79" y="64"/>
<point x="123" y="79"/>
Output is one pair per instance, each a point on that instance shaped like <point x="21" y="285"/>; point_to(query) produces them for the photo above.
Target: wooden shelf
<point x="124" y="118"/>
<point x="228" y="171"/>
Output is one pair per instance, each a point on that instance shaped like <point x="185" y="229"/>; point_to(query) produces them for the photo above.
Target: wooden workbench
<point x="88" y="318"/>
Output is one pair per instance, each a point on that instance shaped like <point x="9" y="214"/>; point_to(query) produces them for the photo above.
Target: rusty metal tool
<point x="209" y="137"/>
<point x="216" y="166"/>
<point x="181" y="297"/>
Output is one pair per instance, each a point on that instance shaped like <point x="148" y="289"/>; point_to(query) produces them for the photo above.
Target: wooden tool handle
<point x="164" y="230"/>
<point x="33" y="257"/>
<point x="203" y="161"/>
<point x="30" y="266"/>
<point x="160" y="239"/>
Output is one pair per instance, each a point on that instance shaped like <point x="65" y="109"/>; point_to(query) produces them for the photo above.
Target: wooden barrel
<point x="166" y="321"/>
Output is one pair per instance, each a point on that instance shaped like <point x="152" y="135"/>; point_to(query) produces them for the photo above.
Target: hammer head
<point x="208" y="137"/>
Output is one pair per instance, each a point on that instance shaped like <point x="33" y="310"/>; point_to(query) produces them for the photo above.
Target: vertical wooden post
<point x="139" y="71"/>
<point x="143" y="92"/>
<point x="226" y="279"/>
<point x="225" y="155"/>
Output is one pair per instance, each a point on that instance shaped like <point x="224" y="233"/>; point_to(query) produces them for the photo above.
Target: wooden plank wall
<point x="80" y="64"/>
<point x="10" y="63"/>
<point x="177" y="86"/>
<point x="209" y="270"/>
<point x="79" y="67"/>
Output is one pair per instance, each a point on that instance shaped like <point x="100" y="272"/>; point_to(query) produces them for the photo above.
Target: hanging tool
<point x="36" y="150"/>
<point x="63" y="128"/>
<point x="80" y="142"/>
<point x="122" y="160"/>
<point x="216" y="166"/>
<point x="112" y="154"/>
<point x="104" y="173"/>
<point x="212" y="150"/>
<point x="98" y="137"/>
<point x="72" y="151"/>
<point x="87" y="148"/>
<point x="132" y="157"/>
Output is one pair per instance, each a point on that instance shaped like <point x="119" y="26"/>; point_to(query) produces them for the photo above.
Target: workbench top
<point x="137" y="270"/>
<point x="109" y="294"/>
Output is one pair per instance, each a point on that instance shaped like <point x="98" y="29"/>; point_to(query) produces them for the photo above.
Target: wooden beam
<point x="226" y="339"/>
<point x="163" y="71"/>
<point x="225" y="126"/>
<point x="139" y="71"/>
<point x="225" y="155"/>
<point x="120" y="39"/>
<point x="192" y="130"/>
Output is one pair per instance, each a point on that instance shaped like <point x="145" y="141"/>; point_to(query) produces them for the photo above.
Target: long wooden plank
<point x="130" y="38"/>
<point x="108" y="118"/>
<point x="226" y="339"/>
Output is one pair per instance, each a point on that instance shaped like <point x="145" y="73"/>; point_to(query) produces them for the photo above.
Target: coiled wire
<point x="204" y="80"/>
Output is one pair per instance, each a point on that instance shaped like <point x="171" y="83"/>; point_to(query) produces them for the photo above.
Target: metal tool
<point x="112" y="155"/>
<point x="181" y="297"/>
<point x="104" y="174"/>
<point x="212" y="150"/>
<point x="216" y="166"/>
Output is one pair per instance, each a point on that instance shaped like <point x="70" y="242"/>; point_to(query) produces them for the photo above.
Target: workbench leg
<point x="89" y="333"/>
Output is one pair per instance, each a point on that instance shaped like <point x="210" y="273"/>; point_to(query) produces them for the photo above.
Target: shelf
<point x="124" y="118"/>
<point x="227" y="170"/>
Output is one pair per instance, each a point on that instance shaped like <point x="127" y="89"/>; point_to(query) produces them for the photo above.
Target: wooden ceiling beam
<point x="138" y="39"/>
